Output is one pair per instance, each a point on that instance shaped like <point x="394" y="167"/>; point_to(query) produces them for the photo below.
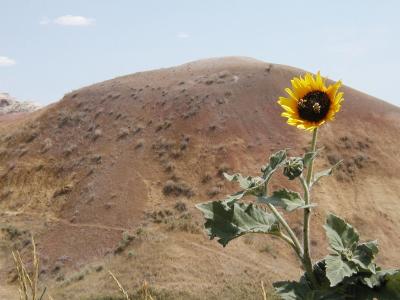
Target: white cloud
<point x="69" y="20"/>
<point x="6" y="61"/>
<point x="183" y="35"/>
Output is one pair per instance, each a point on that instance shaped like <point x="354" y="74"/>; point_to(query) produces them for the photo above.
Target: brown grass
<point x="28" y="281"/>
<point x="145" y="293"/>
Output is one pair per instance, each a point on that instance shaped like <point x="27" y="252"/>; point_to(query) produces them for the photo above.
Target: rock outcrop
<point x="9" y="104"/>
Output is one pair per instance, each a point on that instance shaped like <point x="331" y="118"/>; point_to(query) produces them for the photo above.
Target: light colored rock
<point x="9" y="104"/>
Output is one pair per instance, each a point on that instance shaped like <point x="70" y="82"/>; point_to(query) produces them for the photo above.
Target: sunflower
<point x="311" y="103"/>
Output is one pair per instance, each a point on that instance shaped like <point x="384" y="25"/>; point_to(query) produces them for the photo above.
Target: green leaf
<point x="341" y="235"/>
<point x="374" y="280"/>
<point x="359" y="291"/>
<point x="337" y="269"/>
<point x="255" y="185"/>
<point x="348" y="256"/>
<point x="292" y="290"/>
<point x="277" y="158"/>
<point x="391" y="287"/>
<point x="275" y="161"/>
<point x="319" y="270"/>
<point x="308" y="156"/>
<point x="364" y="255"/>
<point x="247" y="182"/>
<point x="371" y="246"/>
<point x="251" y="186"/>
<point x="326" y="172"/>
<point x="384" y="285"/>
<point x="285" y="199"/>
<point x="227" y="222"/>
<point x="234" y="197"/>
<point x="244" y="182"/>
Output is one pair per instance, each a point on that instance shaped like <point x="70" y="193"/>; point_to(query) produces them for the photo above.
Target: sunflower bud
<point x="293" y="167"/>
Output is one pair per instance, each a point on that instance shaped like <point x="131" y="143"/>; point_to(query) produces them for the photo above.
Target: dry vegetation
<point x="28" y="281"/>
<point x="29" y="285"/>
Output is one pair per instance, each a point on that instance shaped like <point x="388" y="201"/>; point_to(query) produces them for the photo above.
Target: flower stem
<point x="295" y="242"/>
<point x="313" y="148"/>
<point x="292" y="239"/>
<point x="289" y="240"/>
<point x="307" y="213"/>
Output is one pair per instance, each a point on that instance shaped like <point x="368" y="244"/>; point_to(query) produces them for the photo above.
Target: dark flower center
<point x="314" y="106"/>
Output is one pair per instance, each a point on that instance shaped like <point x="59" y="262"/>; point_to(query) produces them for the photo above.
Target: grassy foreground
<point x="30" y="288"/>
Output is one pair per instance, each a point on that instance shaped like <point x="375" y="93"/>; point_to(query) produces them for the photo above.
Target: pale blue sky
<point x="42" y="56"/>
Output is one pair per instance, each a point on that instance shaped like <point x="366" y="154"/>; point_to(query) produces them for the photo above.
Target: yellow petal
<point x="291" y="94"/>
<point x="332" y="89"/>
<point x="301" y="86"/>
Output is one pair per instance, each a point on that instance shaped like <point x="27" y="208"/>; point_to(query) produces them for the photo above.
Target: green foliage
<point x="341" y="235"/>
<point x="292" y="290"/>
<point x="275" y="161"/>
<point x="391" y="286"/>
<point x="285" y="199"/>
<point x="227" y="222"/>
<point x="325" y="173"/>
<point x="245" y="183"/>
<point x="364" y="255"/>
<point x="250" y="185"/>
<point x="387" y="287"/>
<point x="347" y="257"/>
<point x="337" y="269"/>
<point x="347" y="272"/>
<point x="309" y="156"/>
<point x="235" y="197"/>
<point x="255" y="185"/>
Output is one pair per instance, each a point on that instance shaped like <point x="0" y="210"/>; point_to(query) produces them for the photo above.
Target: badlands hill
<point x="107" y="179"/>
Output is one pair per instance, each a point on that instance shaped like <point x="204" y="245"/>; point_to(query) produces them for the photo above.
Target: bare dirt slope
<point x="107" y="178"/>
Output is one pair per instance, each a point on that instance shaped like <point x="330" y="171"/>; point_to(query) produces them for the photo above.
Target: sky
<point x="49" y="47"/>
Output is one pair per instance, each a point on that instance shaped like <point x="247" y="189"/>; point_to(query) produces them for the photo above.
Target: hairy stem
<point x="292" y="239"/>
<point x="313" y="148"/>
<point x="307" y="213"/>
<point x="288" y="240"/>
<point x="289" y="230"/>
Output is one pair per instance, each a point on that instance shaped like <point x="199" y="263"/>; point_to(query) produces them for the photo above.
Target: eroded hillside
<point x="107" y="178"/>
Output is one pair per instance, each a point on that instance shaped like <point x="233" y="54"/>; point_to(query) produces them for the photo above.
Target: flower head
<point x="293" y="167"/>
<point x="310" y="102"/>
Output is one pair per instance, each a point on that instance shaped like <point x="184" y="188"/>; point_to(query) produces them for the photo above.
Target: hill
<point x="107" y="178"/>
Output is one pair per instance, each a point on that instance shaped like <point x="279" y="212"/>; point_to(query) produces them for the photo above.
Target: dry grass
<point x="264" y="293"/>
<point x="121" y="288"/>
<point x="145" y="293"/>
<point x="28" y="281"/>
